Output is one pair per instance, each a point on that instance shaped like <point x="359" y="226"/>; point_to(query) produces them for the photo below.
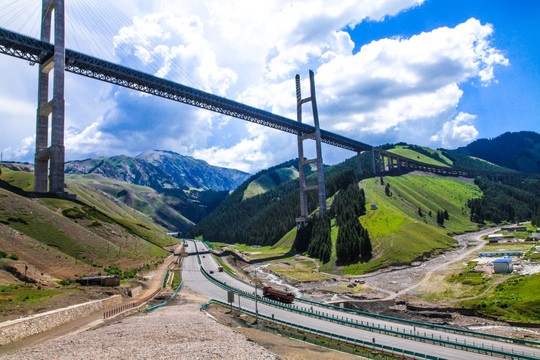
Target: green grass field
<point x="516" y="299"/>
<point x="21" y="179"/>
<point x="25" y="296"/>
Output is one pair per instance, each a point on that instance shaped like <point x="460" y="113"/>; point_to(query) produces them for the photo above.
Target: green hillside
<point x="399" y="234"/>
<point x="141" y="198"/>
<point x="423" y="154"/>
<point x="99" y="233"/>
<point x="269" y="180"/>
<point x="515" y="150"/>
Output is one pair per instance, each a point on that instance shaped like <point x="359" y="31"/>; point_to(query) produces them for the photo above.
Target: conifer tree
<point x="365" y="248"/>
<point x="387" y="190"/>
<point x="303" y="235"/>
<point x="440" y="217"/>
<point x="321" y="244"/>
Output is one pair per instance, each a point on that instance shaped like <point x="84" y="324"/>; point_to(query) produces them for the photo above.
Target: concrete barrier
<point x="15" y="330"/>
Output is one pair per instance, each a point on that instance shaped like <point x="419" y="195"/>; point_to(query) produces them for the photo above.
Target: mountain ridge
<point x="515" y="150"/>
<point x="159" y="169"/>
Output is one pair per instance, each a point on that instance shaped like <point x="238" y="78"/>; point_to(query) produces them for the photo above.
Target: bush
<point x="14" y="257"/>
<point x="113" y="270"/>
<point x="3" y="254"/>
<point x="74" y="213"/>
<point x="64" y="282"/>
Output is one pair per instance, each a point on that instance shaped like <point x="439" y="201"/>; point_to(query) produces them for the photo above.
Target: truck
<point x="275" y="294"/>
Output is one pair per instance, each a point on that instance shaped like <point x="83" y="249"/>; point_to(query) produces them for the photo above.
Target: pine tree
<point x="420" y="213"/>
<point x="321" y="244"/>
<point x="365" y="248"/>
<point x="303" y="236"/>
<point x="387" y="190"/>
<point x="440" y="217"/>
<point x="535" y="220"/>
<point x="446" y="215"/>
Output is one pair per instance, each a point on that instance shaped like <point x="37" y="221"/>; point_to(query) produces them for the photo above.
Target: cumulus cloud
<point x="24" y="150"/>
<point x="207" y="46"/>
<point x="459" y="131"/>
<point x="399" y="89"/>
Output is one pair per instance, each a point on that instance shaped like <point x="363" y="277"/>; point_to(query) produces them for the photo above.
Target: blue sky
<point x="436" y="73"/>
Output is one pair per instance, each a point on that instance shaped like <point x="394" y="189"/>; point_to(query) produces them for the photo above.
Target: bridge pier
<point x="53" y="108"/>
<point x="304" y="216"/>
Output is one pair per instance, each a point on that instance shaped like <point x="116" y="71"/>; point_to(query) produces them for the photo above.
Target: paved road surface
<point x="197" y="282"/>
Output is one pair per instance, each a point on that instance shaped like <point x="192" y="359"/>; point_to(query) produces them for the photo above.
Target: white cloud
<point x="391" y="90"/>
<point x="457" y="132"/>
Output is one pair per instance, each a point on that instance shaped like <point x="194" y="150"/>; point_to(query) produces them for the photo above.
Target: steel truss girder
<point x="37" y="51"/>
<point x="24" y="47"/>
<point x="33" y="50"/>
<point x="116" y="74"/>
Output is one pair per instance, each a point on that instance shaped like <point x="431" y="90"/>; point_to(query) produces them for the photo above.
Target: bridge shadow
<point x="278" y="257"/>
<point x="256" y="261"/>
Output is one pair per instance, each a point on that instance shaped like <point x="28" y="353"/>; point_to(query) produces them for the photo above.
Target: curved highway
<point x="423" y="340"/>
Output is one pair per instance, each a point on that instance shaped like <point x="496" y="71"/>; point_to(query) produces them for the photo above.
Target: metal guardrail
<point x="177" y="289"/>
<point x="366" y="325"/>
<point x="410" y="322"/>
<point x="352" y="341"/>
<point x="165" y="279"/>
<point x="428" y="325"/>
<point x="157" y="306"/>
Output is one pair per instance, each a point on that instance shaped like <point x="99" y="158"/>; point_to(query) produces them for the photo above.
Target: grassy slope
<point x="398" y="234"/>
<point x="109" y="235"/>
<point x="411" y="154"/>
<point x="265" y="182"/>
<point x="141" y="198"/>
<point x="516" y="299"/>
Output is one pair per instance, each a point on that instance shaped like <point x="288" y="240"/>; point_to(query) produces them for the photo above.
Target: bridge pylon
<point x="304" y="216"/>
<point x="45" y="179"/>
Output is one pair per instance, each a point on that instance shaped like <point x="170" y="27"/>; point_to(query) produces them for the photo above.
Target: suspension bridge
<point x="53" y="56"/>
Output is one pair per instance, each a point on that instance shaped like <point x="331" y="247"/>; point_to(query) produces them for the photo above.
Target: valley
<point x="424" y="260"/>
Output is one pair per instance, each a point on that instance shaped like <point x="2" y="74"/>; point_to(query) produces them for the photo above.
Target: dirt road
<point x="399" y="281"/>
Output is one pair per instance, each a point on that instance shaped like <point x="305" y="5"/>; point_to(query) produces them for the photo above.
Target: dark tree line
<point x="505" y="202"/>
<point x="353" y="240"/>
<point x="320" y="245"/>
<point x="536" y="217"/>
<point x="265" y="218"/>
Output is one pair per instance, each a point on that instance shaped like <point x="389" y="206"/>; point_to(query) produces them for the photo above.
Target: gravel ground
<point x="171" y="332"/>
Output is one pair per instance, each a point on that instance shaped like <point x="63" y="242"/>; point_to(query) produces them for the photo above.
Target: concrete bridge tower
<point x="304" y="216"/>
<point x="51" y="108"/>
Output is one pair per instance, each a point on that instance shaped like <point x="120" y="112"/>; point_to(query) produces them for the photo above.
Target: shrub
<point x="14" y="257"/>
<point x="74" y="213"/>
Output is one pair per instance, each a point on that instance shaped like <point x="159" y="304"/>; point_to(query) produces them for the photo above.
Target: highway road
<point x="318" y="316"/>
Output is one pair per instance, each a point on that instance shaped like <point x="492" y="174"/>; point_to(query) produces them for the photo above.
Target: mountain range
<point x="160" y="169"/>
<point x="514" y="150"/>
